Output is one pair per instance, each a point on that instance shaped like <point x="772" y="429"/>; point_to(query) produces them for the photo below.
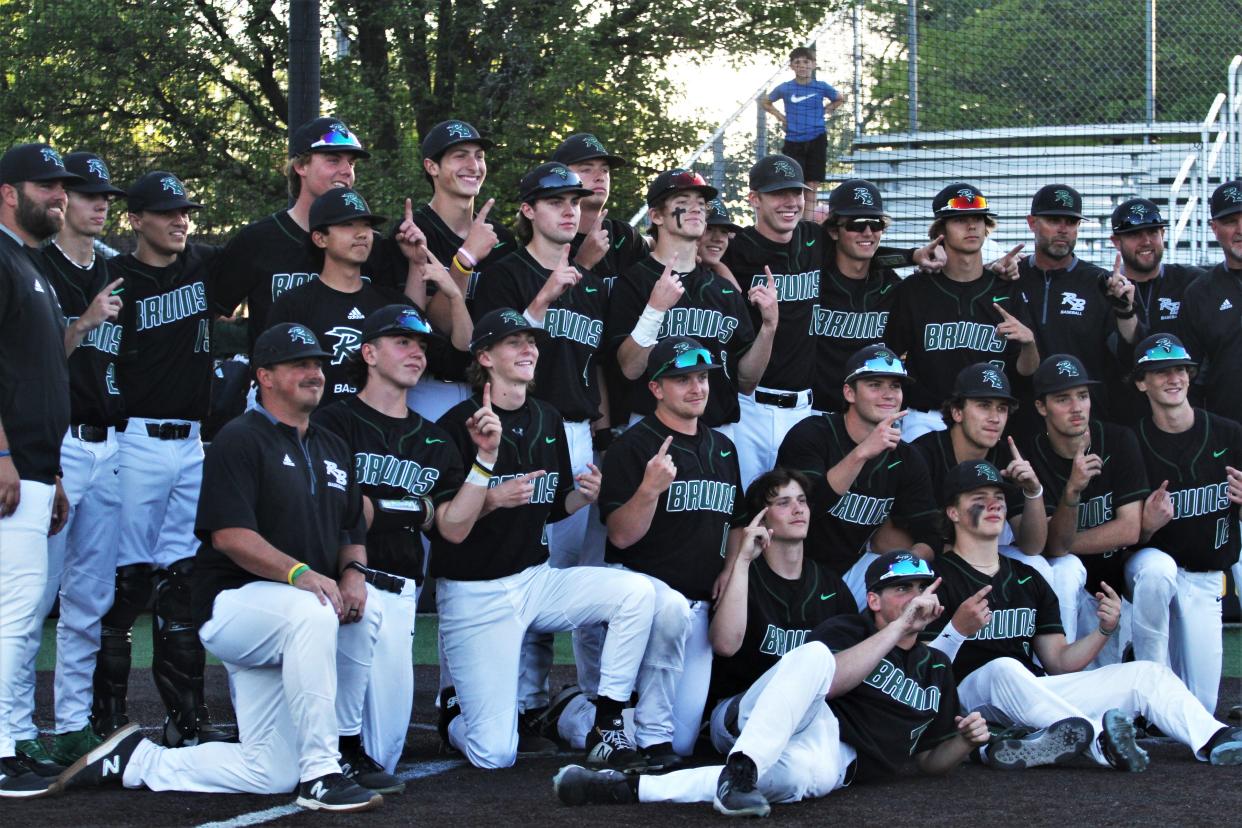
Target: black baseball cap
<point x="339" y="205"/>
<point x="876" y="360"/>
<point x="1227" y="199"/>
<point x="35" y="162"/>
<point x="983" y="381"/>
<point x="159" y="191"/>
<point x="325" y="135"/>
<point x="856" y="197"/>
<point x="1059" y="372"/>
<point x="677" y="355"/>
<point x="776" y="172"/>
<point x="451" y="133"/>
<point x="94" y="174"/>
<point x="551" y="179"/>
<point x="1136" y="214"/>
<point x="285" y="342"/>
<point x="718" y="216"/>
<point x="673" y="181"/>
<point x="1057" y="200"/>
<point x="1160" y="351"/>
<point x="900" y="566"/>
<point x="971" y="475"/>
<point x="960" y="199"/>
<point x="584" y="146"/>
<point x="396" y="320"/>
<point x="495" y="325"/>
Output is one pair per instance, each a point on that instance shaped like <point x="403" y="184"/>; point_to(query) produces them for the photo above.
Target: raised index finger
<point x="487" y="208"/>
<point x="668" y="441"/>
<point x="1003" y="312"/>
<point x="564" y="256"/>
<point x="599" y="219"/>
<point x="758" y="518"/>
<point x="983" y="593"/>
<point x="1013" y="449"/>
<point x="112" y="287"/>
<point x="935" y="585"/>
<point x="1016" y="250"/>
<point x="487" y="396"/>
<point x="409" y="209"/>
<point x="1117" y="264"/>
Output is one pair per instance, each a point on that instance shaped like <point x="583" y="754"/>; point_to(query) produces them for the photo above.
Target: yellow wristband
<point x="297" y="570"/>
<point x="460" y="267"/>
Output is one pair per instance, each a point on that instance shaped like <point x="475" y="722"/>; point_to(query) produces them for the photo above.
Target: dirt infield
<point x="443" y="789"/>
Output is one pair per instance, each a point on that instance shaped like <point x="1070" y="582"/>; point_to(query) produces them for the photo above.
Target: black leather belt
<point x="168" y="431"/>
<point x="780" y="400"/>
<point x="378" y="579"/>
<point x="89" y="433"/>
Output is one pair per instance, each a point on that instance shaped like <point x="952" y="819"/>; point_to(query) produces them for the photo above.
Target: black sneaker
<point x="531" y="741"/>
<point x="333" y="792"/>
<point x="105" y="765"/>
<point x="736" y="794"/>
<point x="611" y="748"/>
<point x="576" y="785"/>
<point x="20" y="781"/>
<point x="449" y="710"/>
<point x="1117" y="743"/>
<point x="357" y="766"/>
<point x="38" y="759"/>
<point x="660" y="757"/>
<point x="1055" y="744"/>
<point x="203" y="732"/>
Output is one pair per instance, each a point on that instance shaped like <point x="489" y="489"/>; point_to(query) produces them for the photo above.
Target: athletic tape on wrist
<point x="647" y="330"/>
<point x="477" y="478"/>
<point x="949" y="641"/>
<point x="532" y="321"/>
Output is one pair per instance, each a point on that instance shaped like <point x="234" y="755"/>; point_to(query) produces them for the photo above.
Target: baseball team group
<point x="797" y="511"/>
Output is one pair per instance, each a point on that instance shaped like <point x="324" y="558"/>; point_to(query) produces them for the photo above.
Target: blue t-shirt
<point x="804" y="107"/>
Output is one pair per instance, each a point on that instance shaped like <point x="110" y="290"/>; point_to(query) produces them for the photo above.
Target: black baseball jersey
<point x="626" y="249"/>
<point x="565" y="375"/>
<point x="780" y="613"/>
<point x="795" y="267"/>
<point x="685" y="544"/>
<point x="34" y="375"/>
<point x="712" y="310"/>
<point x="1212" y="331"/>
<point x="852" y="314"/>
<point x="507" y="541"/>
<point x="937" y="450"/>
<point x="164" y="367"/>
<point x="395" y="459"/>
<point x="906" y="705"/>
<point x="942" y="326"/>
<point x="297" y="493"/>
<point x="1203" y="534"/>
<point x="1122" y="480"/>
<point x="336" y="319"/>
<point x="94" y="398"/>
<point x="1072" y="316"/>
<point x="273" y="255"/>
<point x="1023" y="606"/>
<point x="894" y="484"/>
<point x="1159" y="305"/>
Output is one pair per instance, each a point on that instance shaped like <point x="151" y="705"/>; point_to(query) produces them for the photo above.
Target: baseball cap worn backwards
<point x="286" y="342"/>
<point x="35" y="162"/>
<point x="159" y="191"/>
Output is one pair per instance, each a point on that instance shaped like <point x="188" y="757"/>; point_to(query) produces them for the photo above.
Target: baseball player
<point x="670" y="294"/>
<point x="715" y="239"/>
<point x="274" y="254"/>
<point x="1153" y="290"/>
<point x="495" y="584"/>
<point x="411" y="478"/>
<point x="863" y="476"/>
<point x="996" y="666"/>
<point x="295" y="633"/>
<point x="81" y="557"/>
<point x="164" y="375"/>
<point x="1189" y="534"/>
<point x="773" y="597"/>
<point x="855" y="702"/>
<point x="455" y="165"/>
<point x="964" y="314"/>
<point x="1094" y="486"/>
<point x="34" y="418"/>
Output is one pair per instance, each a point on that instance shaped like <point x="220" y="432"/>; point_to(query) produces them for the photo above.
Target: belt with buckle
<point x="168" y="431"/>
<point x="378" y="579"/>
<point x="89" y="433"/>
<point x="780" y="400"/>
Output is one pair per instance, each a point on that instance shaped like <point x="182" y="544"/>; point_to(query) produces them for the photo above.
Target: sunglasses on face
<point x="689" y="359"/>
<point x="859" y="225"/>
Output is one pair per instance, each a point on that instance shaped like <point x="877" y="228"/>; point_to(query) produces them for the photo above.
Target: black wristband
<point x="1125" y="314"/>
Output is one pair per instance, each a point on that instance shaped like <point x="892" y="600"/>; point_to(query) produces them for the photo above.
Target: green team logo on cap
<point x="172" y="185"/>
<point x="987" y="472"/>
<point x="966" y="192"/>
<point x="1165" y="344"/>
<point x="98" y="169"/>
<point x="355" y="201"/>
<point x="560" y="172"/>
<point x="717" y="207"/>
<point x="1232" y="194"/>
<point x="51" y="156"/>
<point x="299" y="334"/>
<point x="1063" y="198"/>
<point x="993" y="379"/>
<point x="1138" y="210"/>
<point x="457" y="129"/>
<point x="863" y="196"/>
<point x="784" y="168"/>
<point x="680" y="348"/>
<point x="1067" y="368"/>
<point x="513" y="318"/>
<point x="593" y="143"/>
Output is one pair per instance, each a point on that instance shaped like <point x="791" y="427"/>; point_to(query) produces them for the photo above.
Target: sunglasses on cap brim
<point x="552" y="181"/>
<point x="1139" y="223"/>
<point x="1157" y="354"/>
<point x="975" y="202"/>
<point x="887" y="366"/>
<point x="907" y="567"/>
<point x="337" y="140"/>
<point x="689" y="359"/>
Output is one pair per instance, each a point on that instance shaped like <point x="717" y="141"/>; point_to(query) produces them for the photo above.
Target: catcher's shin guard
<point x="111" y="679"/>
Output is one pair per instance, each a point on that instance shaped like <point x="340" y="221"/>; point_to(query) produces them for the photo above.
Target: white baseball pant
<point x="1007" y="692"/>
<point x="160" y="480"/>
<point x="390" y="684"/>
<point x="82" y="569"/>
<point x="787" y="729"/>
<point x="483" y="624"/>
<point x="761" y="428"/>
<point x="296" y="675"/>
<point x="1177" y="620"/>
<point x="23" y="577"/>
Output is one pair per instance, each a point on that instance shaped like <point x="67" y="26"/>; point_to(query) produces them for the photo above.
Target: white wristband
<point x="477" y="478"/>
<point x="949" y="641"/>
<point x="647" y="330"/>
<point x="534" y="323"/>
<point x="1038" y="494"/>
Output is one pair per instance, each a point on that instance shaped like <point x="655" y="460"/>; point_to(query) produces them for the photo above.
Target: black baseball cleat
<point x="736" y="791"/>
<point x="576" y="785"/>
<point x="334" y="792"/>
<point x="1055" y="744"/>
<point x="611" y="748"/>
<point x="1117" y="743"/>
<point x="449" y="710"/>
<point x="18" y="780"/>
<point x="105" y="765"/>
<point x="531" y="741"/>
<point x="660" y="757"/>
<point x="358" y="766"/>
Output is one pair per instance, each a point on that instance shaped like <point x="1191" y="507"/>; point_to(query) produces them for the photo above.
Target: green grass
<point x="425" y="645"/>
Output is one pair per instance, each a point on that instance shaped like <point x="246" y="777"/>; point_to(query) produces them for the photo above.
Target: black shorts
<point x="812" y="155"/>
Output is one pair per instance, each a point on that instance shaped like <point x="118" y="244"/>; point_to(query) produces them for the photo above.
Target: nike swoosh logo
<point x="620" y="242"/>
<point x="811" y="243"/>
<point x="1219" y="453"/>
<point x="726" y="290"/>
<point x="826" y="597"/>
<point x="498" y="244"/>
<point x="1024" y="580"/>
<point x="884" y="289"/>
<point x="1106" y="459"/>
<point x="725" y="453"/>
<point x="894" y="465"/>
<point x="591" y="290"/>
<point x="549" y="440"/>
<point x="796" y="99"/>
<point x="999" y="298"/>
<point x="431" y="441"/>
